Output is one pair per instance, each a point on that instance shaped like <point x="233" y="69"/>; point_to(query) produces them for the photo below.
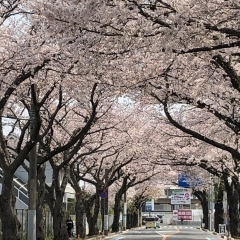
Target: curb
<point x="110" y="234"/>
<point x="96" y="238"/>
<point x="215" y="233"/>
<point x="90" y="238"/>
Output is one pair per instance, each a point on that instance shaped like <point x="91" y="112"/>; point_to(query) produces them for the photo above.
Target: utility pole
<point x="211" y="205"/>
<point x="125" y="211"/>
<point x="106" y="205"/>
<point x="32" y="177"/>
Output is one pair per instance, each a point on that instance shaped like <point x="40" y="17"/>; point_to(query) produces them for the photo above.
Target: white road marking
<point x="161" y="233"/>
<point x="117" y="238"/>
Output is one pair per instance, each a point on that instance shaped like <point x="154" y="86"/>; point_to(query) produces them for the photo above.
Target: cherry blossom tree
<point x="173" y="54"/>
<point x="50" y="126"/>
<point x="21" y="59"/>
<point x="201" y="69"/>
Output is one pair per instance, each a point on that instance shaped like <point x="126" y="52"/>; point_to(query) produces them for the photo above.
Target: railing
<point x="20" y="190"/>
<point x="22" y="215"/>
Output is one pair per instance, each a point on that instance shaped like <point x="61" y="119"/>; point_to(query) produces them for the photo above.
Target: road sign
<point x="148" y="208"/>
<point x="149" y="205"/>
<point x="103" y="195"/>
<point x="222" y="229"/>
<point x="187" y="181"/>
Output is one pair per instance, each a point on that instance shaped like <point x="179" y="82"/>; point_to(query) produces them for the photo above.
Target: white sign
<point x="222" y="229"/>
<point x="180" y="197"/>
<point x="175" y="215"/>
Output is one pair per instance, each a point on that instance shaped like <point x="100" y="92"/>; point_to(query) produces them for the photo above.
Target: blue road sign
<point x="103" y="195"/>
<point x="187" y="182"/>
<point x="148" y="206"/>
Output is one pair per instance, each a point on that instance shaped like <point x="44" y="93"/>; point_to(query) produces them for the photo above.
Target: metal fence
<point x="22" y="215"/>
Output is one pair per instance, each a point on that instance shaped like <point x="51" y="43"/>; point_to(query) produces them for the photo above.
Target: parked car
<point x="151" y="222"/>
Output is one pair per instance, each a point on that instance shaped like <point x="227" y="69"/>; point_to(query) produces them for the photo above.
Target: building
<point x="164" y="206"/>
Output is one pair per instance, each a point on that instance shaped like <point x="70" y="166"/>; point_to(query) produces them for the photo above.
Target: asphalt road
<point x="166" y="233"/>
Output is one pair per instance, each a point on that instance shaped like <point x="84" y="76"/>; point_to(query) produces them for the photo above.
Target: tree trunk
<point x="205" y="214"/>
<point x="10" y="224"/>
<point x="129" y="220"/>
<point x="135" y="219"/>
<point x="79" y="208"/>
<point x="40" y="224"/>
<point x="117" y="210"/>
<point x="93" y="230"/>
<point x="92" y="218"/>
<point x="233" y="203"/>
<point x="117" y="203"/>
<point x="202" y="197"/>
<point x="54" y="197"/>
<point x="59" y="219"/>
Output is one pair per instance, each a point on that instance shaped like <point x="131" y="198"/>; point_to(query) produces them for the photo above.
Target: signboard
<point x="222" y="229"/>
<point x="175" y="215"/>
<point x="188" y="181"/>
<point x="149" y="205"/>
<point x="180" y="197"/>
<point x="185" y="214"/>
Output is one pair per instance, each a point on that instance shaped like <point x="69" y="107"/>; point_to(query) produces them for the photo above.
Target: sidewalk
<point x="99" y="237"/>
<point x="215" y="233"/>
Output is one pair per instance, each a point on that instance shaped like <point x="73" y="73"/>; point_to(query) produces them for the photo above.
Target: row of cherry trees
<point x="199" y="91"/>
<point x="179" y="59"/>
<point x="82" y="141"/>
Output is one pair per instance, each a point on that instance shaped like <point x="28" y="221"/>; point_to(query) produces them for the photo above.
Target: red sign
<point x="185" y="214"/>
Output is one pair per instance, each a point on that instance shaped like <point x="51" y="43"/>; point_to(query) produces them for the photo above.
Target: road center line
<point x="165" y="236"/>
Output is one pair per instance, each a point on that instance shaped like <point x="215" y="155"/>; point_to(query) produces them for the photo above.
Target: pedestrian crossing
<point x="176" y="226"/>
